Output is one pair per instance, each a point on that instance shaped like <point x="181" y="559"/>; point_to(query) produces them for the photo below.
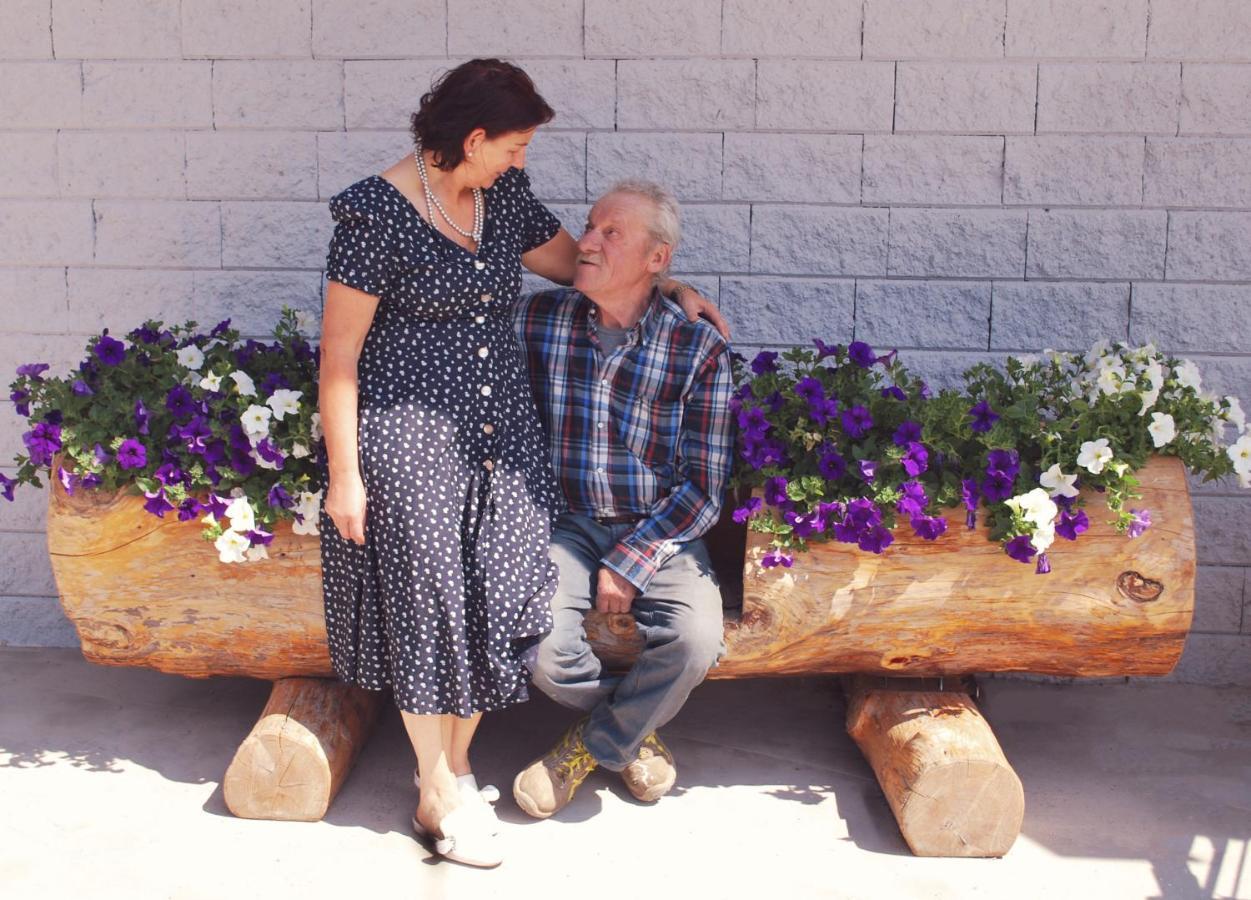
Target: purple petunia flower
<point x="81" y="388"/>
<point x="913" y="501"/>
<point x="856" y="421"/>
<point x="260" y="538"/>
<point x="220" y="328"/>
<point x="42" y="442"/>
<point x="804" y="525"/>
<point x="145" y="335"/>
<point x="195" y="434"/>
<point x="1071" y="524"/>
<point x="69" y="480"/>
<point x="1006" y="461"/>
<point x="217" y="506"/>
<point x="983" y="416"/>
<point x="777" y="557"/>
<point x="765" y="361"/>
<point x="997" y="485"/>
<point x="179" y="401"/>
<point x="141" y="416"/>
<point x="831" y="465"/>
<point x="158" y="505"/>
<point x="861" y="354"/>
<point x="33" y="371"/>
<point x="774" y="402"/>
<point x="1141" y="522"/>
<point x="132" y="454"/>
<point x="744" y="512"/>
<point x="875" y="539"/>
<point x="929" y="527"/>
<point x="1043" y="566"/>
<point x="969" y="493"/>
<point x="868" y="469"/>
<point x="1020" y="548"/>
<point x="272" y="382"/>
<point x="243" y="463"/>
<point x="267" y="450"/>
<point x="894" y="391"/>
<point x="168" y="473"/>
<point x="907" y="432"/>
<point x="824" y="349"/>
<point x="19" y="402"/>
<point x="6" y="486"/>
<point x="810" y="390"/>
<point x="863" y="513"/>
<point x="775" y="491"/>
<point x="916" y="460"/>
<point x="761" y="453"/>
<point x="823" y="412"/>
<point x="91" y="480"/>
<point x="190" y="509"/>
<point x="110" y="351"/>
<point x="924" y="391"/>
<point x="752" y="421"/>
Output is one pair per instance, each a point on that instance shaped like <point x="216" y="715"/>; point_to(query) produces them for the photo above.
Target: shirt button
<point x="604" y="382"/>
<point x="486" y="390"/>
<point x="599" y="424"/>
<point x="488" y="428"/>
<point x="599" y="470"/>
<point x="479" y="265"/>
<point x="488" y="465"/>
<point x="479" y="319"/>
<point x="484" y="352"/>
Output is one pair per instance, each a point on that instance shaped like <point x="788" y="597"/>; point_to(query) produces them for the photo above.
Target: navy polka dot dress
<point x="453" y="583"/>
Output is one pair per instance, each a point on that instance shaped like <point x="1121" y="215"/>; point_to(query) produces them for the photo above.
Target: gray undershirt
<point x="610" y="339"/>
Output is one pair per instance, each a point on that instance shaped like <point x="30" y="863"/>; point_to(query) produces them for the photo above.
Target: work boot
<point x="650" y="775"/>
<point x="548" y="784"/>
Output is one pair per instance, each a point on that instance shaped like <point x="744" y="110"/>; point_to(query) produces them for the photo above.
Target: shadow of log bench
<point x="147" y="592"/>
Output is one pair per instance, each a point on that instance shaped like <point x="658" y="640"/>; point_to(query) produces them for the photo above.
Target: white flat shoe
<point x="464" y="837"/>
<point x="468" y="787"/>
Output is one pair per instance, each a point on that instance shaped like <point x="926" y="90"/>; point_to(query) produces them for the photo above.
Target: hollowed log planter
<point x="150" y="592"/>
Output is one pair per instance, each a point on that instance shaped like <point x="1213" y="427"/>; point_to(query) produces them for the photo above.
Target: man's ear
<point x="660" y="258"/>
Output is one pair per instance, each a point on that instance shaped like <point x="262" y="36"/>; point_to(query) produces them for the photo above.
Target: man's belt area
<point x="628" y="519"/>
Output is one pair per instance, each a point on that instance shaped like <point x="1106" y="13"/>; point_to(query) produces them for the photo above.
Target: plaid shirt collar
<point x="588" y="324"/>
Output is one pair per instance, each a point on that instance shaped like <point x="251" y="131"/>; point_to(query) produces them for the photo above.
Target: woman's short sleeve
<point x="360" y="252"/>
<point x="538" y="224"/>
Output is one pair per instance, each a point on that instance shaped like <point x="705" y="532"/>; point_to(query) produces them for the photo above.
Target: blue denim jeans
<point x="679" y="618"/>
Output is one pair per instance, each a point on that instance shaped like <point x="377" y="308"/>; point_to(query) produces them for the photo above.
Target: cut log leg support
<point x="300" y="751"/>
<point x="948" y="783"/>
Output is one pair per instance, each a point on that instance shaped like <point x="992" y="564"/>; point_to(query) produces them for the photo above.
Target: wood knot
<point x="621" y="624"/>
<point x="756" y="618"/>
<point x="1138" y="587"/>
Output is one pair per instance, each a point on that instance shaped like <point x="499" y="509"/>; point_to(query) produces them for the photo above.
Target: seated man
<point x="635" y="399"/>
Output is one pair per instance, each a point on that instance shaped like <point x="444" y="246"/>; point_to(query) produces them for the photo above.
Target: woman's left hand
<point x="695" y="304"/>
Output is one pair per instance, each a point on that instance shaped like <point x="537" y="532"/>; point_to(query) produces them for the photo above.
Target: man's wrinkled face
<point x="617" y="251"/>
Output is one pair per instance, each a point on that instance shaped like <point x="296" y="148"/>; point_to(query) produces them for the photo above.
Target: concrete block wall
<point x="958" y="178"/>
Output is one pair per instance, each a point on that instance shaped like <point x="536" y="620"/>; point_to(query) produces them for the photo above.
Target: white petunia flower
<point x="308" y="505"/>
<point x="1097" y="352"/>
<point x="242" y="516"/>
<point x="211" y="382"/>
<point x="1094" y="455"/>
<point x="244" y="383"/>
<point x="1162" y="429"/>
<point x="316" y="426"/>
<point x="1035" y="507"/>
<point x="1044" y="536"/>
<point x="283" y="401"/>
<point x="232" y="546"/>
<point x="1239" y="453"/>
<point x="1188" y="375"/>
<point x="305" y="322"/>
<point x="261" y="461"/>
<point x="255" y="420"/>
<point x="191" y="356"/>
<point x="1057" y="483"/>
<point x="257" y="553"/>
<point x="1234" y="413"/>
<point x="298" y="450"/>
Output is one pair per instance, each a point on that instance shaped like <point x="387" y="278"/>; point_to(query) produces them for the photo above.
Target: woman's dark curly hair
<point x="489" y="94"/>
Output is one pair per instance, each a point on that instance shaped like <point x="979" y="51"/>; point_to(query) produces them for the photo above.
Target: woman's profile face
<point x="492" y="157"/>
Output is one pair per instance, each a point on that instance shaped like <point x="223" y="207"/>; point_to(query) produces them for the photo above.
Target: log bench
<point x="143" y="591"/>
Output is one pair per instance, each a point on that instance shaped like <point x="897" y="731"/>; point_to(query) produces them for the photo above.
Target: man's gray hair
<point x="666" y="224"/>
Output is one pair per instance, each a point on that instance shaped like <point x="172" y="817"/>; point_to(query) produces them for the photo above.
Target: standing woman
<point x="439" y="490"/>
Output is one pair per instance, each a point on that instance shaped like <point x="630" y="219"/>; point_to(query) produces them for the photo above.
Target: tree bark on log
<point x="300" y="751"/>
<point x="944" y="775"/>
<point x="150" y="592"/>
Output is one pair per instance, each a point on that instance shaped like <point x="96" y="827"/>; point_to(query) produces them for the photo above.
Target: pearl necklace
<point x="432" y="203"/>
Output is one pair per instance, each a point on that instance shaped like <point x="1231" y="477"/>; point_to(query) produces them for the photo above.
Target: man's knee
<point x="700" y="643"/>
<point x="564" y="657"/>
